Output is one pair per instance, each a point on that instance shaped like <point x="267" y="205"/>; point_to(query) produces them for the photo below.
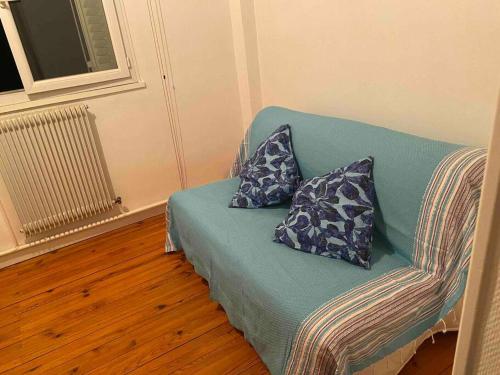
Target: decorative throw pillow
<point x="333" y="215"/>
<point x="271" y="175"/>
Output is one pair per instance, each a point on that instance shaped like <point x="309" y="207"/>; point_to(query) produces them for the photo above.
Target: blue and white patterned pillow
<point x="271" y="175"/>
<point x="333" y="215"/>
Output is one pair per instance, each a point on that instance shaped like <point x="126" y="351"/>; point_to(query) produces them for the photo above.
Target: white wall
<point x="246" y="58"/>
<point x="202" y="57"/>
<point x="426" y="67"/>
<point x="7" y="241"/>
<point x="429" y="68"/>
<point x="134" y="125"/>
<point x="133" y="129"/>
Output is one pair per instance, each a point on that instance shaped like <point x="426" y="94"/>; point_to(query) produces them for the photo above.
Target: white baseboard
<point x="16" y="255"/>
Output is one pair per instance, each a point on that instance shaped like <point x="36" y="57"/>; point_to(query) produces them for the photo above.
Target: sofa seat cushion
<point x="266" y="289"/>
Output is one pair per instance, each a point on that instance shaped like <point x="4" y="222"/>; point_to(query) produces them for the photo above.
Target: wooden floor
<point x="118" y="304"/>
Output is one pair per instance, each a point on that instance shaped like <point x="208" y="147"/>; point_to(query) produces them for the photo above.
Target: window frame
<point x="35" y="87"/>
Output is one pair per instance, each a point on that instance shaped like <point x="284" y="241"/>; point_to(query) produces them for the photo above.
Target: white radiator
<point x="52" y="168"/>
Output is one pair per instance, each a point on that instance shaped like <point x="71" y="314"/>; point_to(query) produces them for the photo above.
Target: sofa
<point x="308" y="314"/>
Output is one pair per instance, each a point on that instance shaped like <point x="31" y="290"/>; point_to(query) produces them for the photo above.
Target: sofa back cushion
<point x="403" y="163"/>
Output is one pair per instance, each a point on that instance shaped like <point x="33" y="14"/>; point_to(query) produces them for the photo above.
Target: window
<point x="58" y="44"/>
<point x="9" y="79"/>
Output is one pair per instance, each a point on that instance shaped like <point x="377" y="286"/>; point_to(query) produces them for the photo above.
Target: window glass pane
<point x="64" y="37"/>
<point x="9" y="78"/>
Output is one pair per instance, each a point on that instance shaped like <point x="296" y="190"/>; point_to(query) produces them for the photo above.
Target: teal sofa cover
<point x="309" y="314"/>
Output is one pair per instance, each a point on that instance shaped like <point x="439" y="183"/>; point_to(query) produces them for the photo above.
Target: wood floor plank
<point x="102" y="315"/>
<point x="227" y="359"/>
<point x="95" y="281"/>
<point x="83" y="265"/>
<point x="117" y="304"/>
<point x="184" y="355"/>
<point x="71" y="306"/>
<point x="151" y="340"/>
<point x="433" y="358"/>
<point x="106" y="337"/>
<point x="45" y="262"/>
<point x="447" y="371"/>
<point x="257" y="368"/>
<point x="25" y="287"/>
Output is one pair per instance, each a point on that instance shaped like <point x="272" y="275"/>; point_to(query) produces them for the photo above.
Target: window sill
<point x="92" y="93"/>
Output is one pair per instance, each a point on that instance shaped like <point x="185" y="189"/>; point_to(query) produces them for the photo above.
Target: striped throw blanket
<point x="349" y="329"/>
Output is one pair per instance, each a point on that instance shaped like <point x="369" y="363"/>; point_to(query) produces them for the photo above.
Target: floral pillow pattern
<point x="271" y="175"/>
<point x="333" y="215"/>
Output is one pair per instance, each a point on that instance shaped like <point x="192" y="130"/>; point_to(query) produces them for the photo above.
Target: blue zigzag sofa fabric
<point x="332" y="215"/>
<point x="307" y="314"/>
<point x="271" y="175"/>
